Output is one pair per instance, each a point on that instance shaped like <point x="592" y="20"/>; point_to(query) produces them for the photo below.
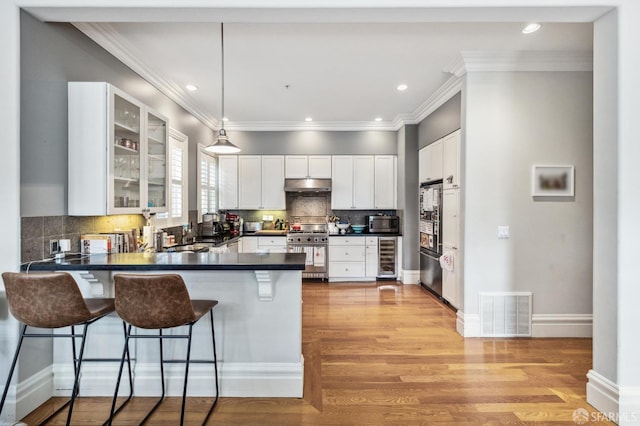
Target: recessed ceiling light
<point x="531" y="28"/>
<point x="191" y="87"/>
<point x="402" y="87"/>
<point x="378" y="118"/>
<point x="225" y="119"/>
<point x="308" y="119"/>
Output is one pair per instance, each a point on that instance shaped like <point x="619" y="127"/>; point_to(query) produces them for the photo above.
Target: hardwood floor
<point x="387" y="354"/>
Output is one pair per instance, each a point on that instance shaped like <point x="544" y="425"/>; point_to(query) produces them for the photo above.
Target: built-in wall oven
<point x="313" y="241"/>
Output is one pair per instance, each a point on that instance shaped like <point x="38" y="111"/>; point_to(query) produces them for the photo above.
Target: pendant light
<point x="222" y="145"/>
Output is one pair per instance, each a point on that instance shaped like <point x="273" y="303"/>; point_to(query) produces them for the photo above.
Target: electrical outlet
<point x="54" y="246"/>
<point x="503" y="232"/>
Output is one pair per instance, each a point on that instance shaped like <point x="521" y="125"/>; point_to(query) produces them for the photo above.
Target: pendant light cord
<point x="222" y="73"/>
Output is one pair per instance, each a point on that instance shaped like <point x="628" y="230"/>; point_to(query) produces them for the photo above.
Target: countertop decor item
<point x="358" y="229"/>
<point x="222" y="145"/>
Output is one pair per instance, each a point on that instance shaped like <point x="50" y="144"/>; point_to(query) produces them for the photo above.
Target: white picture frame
<point x="553" y="181"/>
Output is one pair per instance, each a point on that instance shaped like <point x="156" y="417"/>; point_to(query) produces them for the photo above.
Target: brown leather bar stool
<point x="53" y="300"/>
<point x="161" y="302"/>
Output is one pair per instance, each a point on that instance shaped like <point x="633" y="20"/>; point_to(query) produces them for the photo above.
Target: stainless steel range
<point x="313" y="240"/>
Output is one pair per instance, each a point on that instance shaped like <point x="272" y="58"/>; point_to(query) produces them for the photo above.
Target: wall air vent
<point x="505" y="314"/>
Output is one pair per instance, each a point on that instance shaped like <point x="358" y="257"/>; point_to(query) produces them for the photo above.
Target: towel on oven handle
<point x="318" y="256"/>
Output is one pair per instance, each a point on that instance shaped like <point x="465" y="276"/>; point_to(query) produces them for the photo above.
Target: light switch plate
<point x="503" y="232"/>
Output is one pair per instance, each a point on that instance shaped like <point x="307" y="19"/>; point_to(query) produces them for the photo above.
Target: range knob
<point x="308" y="239"/>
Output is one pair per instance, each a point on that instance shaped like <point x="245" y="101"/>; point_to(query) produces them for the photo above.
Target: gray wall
<point x="441" y="122"/>
<point x="52" y="55"/>
<point x="408" y="195"/>
<point x="315" y="142"/>
<point x="513" y="121"/>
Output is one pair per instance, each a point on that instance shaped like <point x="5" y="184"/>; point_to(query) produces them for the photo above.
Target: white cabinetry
<point x="261" y="182"/>
<point x="117" y="152"/>
<point x="272" y="244"/>
<point x="312" y="166"/>
<point x="385" y="182"/>
<point x="451" y="160"/>
<point x="371" y="257"/>
<point x="430" y="162"/>
<point x="353" y="182"/>
<point x="451" y="279"/>
<point x="228" y="182"/>
<point x="347" y="258"/>
<point x="451" y="283"/>
<point x="248" y="245"/>
<point x="263" y="244"/>
<point x="451" y="218"/>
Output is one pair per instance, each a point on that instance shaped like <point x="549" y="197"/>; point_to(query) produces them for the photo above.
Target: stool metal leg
<point x="125" y="354"/>
<point x="13" y="366"/>
<point x="77" y="369"/>
<point x="186" y="374"/>
<point x="215" y="366"/>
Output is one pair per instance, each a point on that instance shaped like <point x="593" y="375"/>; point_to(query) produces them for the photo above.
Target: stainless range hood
<point x="307" y="185"/>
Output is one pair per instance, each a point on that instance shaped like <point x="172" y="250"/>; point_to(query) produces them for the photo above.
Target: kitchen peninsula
<point x="258" y="324"/>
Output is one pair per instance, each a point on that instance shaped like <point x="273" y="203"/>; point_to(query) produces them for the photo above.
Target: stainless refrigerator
<point x="431" y="236"/>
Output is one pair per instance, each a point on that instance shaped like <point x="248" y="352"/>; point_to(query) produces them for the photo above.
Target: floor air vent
<point x="505" y="314"/>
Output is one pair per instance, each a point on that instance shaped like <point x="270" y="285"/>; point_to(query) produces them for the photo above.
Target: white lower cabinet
<point x="451" y="278"/>
<point x="371" y="257"/>
<point x="272" y="244"/>
<point x="248" y="245"/>
<point x="263" y="244"/>
<point x="348" y="259"/>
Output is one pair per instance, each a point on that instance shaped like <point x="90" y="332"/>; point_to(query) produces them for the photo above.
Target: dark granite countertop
<point x="175" y="262"/>
<point x="365" y="234"/>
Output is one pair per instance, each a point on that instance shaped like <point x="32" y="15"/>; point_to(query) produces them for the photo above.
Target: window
<point x="177" y="213"/>
<point x="207" y="182"/>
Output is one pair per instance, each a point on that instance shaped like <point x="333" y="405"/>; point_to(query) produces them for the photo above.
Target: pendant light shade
<point x="222" y="145"/>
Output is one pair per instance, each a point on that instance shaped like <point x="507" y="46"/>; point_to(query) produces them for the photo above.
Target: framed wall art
<point x="552" y="181"/>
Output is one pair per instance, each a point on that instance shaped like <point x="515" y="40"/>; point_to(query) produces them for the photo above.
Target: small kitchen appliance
<point x="384" y="224"/>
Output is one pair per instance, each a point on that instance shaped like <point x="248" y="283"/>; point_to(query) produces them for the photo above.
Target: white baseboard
<point x="26" y="396"/>
<point x="236" y="379"/>
<point x="559" y="325"/>
<point x="562" y="325"/>
<point x="410" y="276"/>
<point x="468" y="325"/>
<point x="602" y="393"/>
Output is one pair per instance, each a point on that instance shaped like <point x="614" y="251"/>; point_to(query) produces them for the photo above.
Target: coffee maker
<point x="211" y="225"/>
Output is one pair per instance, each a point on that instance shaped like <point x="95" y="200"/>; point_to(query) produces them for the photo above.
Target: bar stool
<point x="161" y="302"/>
<point x="53" y="300"/>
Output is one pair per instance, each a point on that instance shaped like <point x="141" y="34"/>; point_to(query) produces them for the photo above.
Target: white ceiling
<point x="342" y="74"/>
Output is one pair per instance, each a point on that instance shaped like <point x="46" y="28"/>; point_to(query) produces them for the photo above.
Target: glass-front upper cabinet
<point x="127" y="145"/>
<point x="157" y="136"/>
<point x="117" y="152"/>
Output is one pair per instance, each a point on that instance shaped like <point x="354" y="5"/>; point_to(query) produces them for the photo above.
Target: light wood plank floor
<point x="387" y="354"/>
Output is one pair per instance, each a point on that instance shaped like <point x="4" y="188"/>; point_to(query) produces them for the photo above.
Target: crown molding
<point x="273" y="126"/>
<point x="469" y="61"/>
<point x="109" y="39"/>
<point x="521" y="61"/>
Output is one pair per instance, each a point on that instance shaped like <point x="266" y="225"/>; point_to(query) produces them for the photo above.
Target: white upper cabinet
<point x="249" y="182"/>
<point x="363" y="177"/>
<point x="272" y="179"/>
<point x="342" y="182"/>
<point x="385" y="182"/>
<point x="311" y="166"/>
<point x="430" y="162"/>
<point x="451" y="160"/>
<point x="261" y="182"/>
<point x="352" y="182"/>
<point x="228" y="182"/>
<point x="117" y="152"/>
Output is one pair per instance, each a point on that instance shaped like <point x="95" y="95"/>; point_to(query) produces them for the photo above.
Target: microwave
<point x="384" y="224"/>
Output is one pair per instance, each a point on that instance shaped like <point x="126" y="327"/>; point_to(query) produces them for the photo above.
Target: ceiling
<point x="342" y="75"/>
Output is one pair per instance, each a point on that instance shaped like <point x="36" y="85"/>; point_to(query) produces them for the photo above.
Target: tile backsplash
<point x="36" y="232"/>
